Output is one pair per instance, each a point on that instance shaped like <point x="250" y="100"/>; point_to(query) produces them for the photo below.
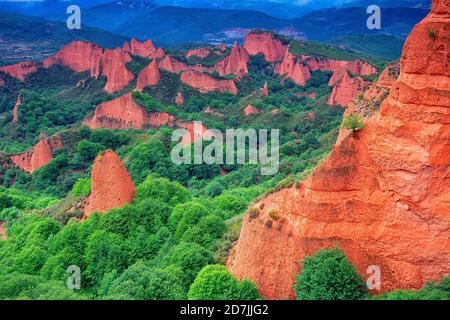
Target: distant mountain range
<point x="171" y="26"/>
<point x="25" y="38"/>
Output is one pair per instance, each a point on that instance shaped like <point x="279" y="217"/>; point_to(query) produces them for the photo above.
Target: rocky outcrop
<point x="248" y="110"/>
<point x="83" y="56"/>
<point x="294" y="69"/>
<point x="173" y="65"/>
<point x="346" y="90"/>
<point x="265" y="90"/>
<point x="179" y="99"/>
<point x="149" y="76"/>
<point x="111" y="185"/>
<point x="199" y="52"/>
<point x="383" y="193"/>
<point x="389" y="75"/>
<point x="38" y="156"/>
<point x="339" y="67"/>
<point x="142" y="49"/>
<point x="205" y="83"/>
<point x="266" y="43"/>
<point x="16" y="110"/>
<point x="235" y="63"/>
<point x="3" y="235"/>
<point x="123" y="113"/>
<point x="20" y="70"/>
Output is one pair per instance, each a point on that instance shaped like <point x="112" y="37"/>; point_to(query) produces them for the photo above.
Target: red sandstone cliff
<point x="38" y="156"/>
<point x="266" y="43"/>
<point x="3" y="235"/>
<point x="123" y="113"/>
<point x="173" y="65"/>
<point x="294" y="69"/>
<point x="248" y="110"/>
<point x="149" y="76"/>
<point x="383" y="194"/>
<point x="83" y="56"/>
<point x="142" y="49"/>
<point x="20" y="70"/>
<point x="111" y="184"/>
<point x="234" y="63"/>
<point x="265" y="90"/>
<point x="205" y="83"/>
<point x="346" y="90"/>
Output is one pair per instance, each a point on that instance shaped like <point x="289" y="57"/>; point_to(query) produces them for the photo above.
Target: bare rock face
<point x="265" y="90"/>
<point x="234" y="63"/>
<point x="205" y="83"/>
<point x="83" y="56"/>
<point x="114" y="68"/>
<point x="19" y="70"/>
<point x="339" y="67"/>
<point x="3" y="235"/>
<point x="199" y="52"/>
<point x="294" y="69"/>
<point x="123" y="113"/>
<point x="35" y="158"/>
<point x="158" y="53"/>
<point x="266" y="43"/>
<point x="16" y="110"/>
<point x="149" y="76"/>
<point x="173" y="65"/>
<point x="383" y="194"/>
<point x="179" y="99"/>
<point x="346" y="90"/>
<point x="248" y="110"/>
<point x="389" y="75"/>
<point x="142" y="49"/>
<point x="111" y="187"/>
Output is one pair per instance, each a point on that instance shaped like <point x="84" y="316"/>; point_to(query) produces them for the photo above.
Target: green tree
<point x="328" y="275"/>
<point x="354" y="122"/>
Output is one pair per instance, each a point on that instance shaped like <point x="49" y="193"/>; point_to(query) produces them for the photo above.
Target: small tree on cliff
<point x="328" y="275"/>
<point x="354" y="122"/>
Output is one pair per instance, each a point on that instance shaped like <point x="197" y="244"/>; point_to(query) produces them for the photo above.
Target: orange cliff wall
<point x="83" y="56"/>
<point x="234" y="63"/>
<point x="205" y="83"/>
<point x="173" y="65"/>
<point x="346" y="90"/>
<point x="266" y="43"/>
<point x="38" y="156"/>
<point x="20" y="70"/>
<point x="111" y="186"/>
<point x="383" y="194"/>
<point x="123" y="113"/>
<point x="294" y="69"/>
<point x="149" y="76"/>
<point x="142" y="49"/>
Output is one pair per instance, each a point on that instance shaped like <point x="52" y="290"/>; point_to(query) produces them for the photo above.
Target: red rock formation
<point x="312" y="95"/>
<point x="111" y="184"/>
<point x="389" y="75"/>
<point x="142" y="49"/>
<point x="123" y="113"/>
<point x="339" y="67"/>
<point x="3" y="235"/>
<point x="157" y="54"/>
<point x="294" y="69"/>
<point x="205" y="83"/>
<point x="173" y="65"/>
<point x="83" y="56"/>
<point x="195" y="132"/>
<point x="383" y="194"/>
<point x="35" y="158"/>
<point x="248" y="110"/>
<point x="346" y="90"/>
<point x="265" y="90"/>
<point x="234" y="63"/>
<point x="20" y="70"/>
<point x="16" y="110"/>
<point x="114" y="68"/>
<point x="266" y="43"/>
<point x="199" y="52"/>
<point x="149" y="76"/>
<point x="179" y="99"/>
